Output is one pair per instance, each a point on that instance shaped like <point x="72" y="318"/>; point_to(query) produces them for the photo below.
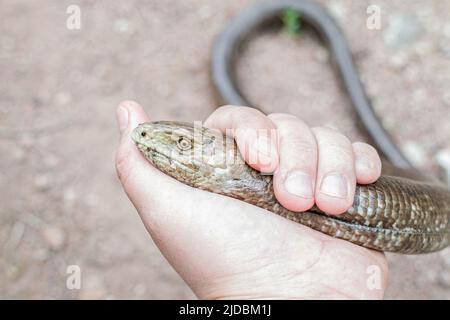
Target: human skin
<point x="227" y="249"/>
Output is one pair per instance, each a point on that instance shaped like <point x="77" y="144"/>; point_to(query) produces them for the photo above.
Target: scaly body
<point x="393" y="214"/>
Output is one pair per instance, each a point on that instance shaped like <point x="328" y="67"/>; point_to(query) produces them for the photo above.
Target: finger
<point x="367" y="163"/>
<point x="294" y="180"/>
<point x="336" y="179"/>
<point x="129" y="161"/>
<point x="254" y="133"/>
<point x="144" y="185"/>
<point x="136" y="174"/>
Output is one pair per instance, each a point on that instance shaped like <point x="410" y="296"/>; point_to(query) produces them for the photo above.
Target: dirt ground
<point x="60" y="201"/>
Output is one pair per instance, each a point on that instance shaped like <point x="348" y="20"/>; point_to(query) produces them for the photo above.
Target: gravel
<point x="58" y="134"/>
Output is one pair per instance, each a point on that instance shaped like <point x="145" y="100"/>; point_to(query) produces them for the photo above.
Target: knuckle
<point x="238" y="115"/>
<point x="360" y="144"/>
<point x="340" y="154"/>
<point x="288" y="121"/>
<point x="231" y="106"/>
<point x="365" y="147"/>
<point x="302" y="146"/>
<point x="249" y="113"/>
<point x="252" y="121"/>
<point x="344" y="142"/>
<point x="229" y="111"/>
<point x="332" y="138"/>
<point x="325" y="132"/>
<point x="238" y="109"/>
<point x="225" y="108"/>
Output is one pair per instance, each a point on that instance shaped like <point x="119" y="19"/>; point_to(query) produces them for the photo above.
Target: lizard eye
<point x="184" y="144"/>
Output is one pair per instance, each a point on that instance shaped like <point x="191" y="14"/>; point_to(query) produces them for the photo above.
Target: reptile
<point x="393" y="214"/>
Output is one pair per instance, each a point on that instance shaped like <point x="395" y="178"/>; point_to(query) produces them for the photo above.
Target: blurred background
<point x="60" y="201"/>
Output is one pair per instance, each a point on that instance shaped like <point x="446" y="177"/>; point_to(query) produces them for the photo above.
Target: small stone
<point x="398" y="60"/>
<point x="444" y="48"/>
<point x="446" y="99"/>
<point x="446" y="30"/>
<point x="16" y="234"/>
<point x="26" y="140"/>
<point x="415" y="153"/>
<point x="54" y="237"/>
<point x="50" y="160"/>
<point x="411" y="73"/>
<point x="389" y="123"/>
<point x="41" y="254"/>
<point x="419" y="95"/>
<point x="62" y="98"/>
<point x="14" y="271"/>
<point x="402" y="30"/>
<point x="443" y="160"/>
<point x="69" y="197"/>
<point x="42" y="182"/>
<point x="204" y="12"/>
<point x="337" y="10"/>
<point x="7" y="44"/>
<point x="424" y="48"/>
<point x="18" y="154"/>
<point x="322" y="55"/>
<point x="122" y="26"/>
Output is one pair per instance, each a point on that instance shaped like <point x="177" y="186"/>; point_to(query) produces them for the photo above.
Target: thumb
<point x="144" y="184"/>
<point x="129" y="115"/>
<point x="129" y="161"/>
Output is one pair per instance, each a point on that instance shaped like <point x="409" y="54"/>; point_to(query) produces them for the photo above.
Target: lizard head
<point x="188" y="152"/>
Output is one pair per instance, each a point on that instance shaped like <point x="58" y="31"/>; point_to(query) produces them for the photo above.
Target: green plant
<point x="291" y="22"/>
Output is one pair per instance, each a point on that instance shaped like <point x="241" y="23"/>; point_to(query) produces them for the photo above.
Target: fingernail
<point x="334" y="185"/>
<point x="299" y="184"/>
<point x="363" y="163"/>
<point x="122" y="118"/>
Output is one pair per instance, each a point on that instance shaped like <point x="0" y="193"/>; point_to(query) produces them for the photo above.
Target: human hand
<point x="242" y="251"/>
